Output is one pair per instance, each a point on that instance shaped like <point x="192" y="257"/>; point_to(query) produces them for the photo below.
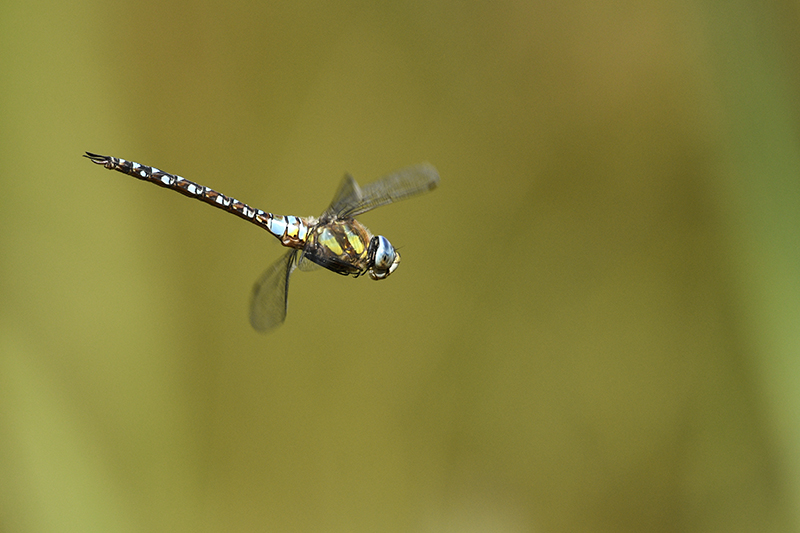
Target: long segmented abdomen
<point x="290" y="230"/>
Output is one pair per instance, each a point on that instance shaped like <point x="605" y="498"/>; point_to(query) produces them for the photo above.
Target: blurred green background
<point x="595" y="327"/>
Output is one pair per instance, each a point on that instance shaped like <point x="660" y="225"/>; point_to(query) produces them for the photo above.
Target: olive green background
<point x="595" y="326"/>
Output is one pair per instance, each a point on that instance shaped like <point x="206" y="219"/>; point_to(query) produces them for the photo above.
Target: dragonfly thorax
<point x="347" y="247"/>
<point x="382" y="257"/>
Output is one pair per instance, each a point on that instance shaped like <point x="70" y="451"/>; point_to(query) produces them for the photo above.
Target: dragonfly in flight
<point x="335" y="240"/>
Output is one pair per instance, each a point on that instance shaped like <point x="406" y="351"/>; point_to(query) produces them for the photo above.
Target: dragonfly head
<point x="382" y="257"/>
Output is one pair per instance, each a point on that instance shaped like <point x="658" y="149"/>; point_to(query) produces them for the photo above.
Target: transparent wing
<point x="306" y="265"/>
<point x="347" y="195"/>
<point x="351" y="200"/>
<point x="271" y="293"/>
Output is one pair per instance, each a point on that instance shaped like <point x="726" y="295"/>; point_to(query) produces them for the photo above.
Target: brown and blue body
<point x="336" y="241"/>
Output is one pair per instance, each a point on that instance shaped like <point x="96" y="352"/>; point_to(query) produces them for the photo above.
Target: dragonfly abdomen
<point x="290" y="230"/>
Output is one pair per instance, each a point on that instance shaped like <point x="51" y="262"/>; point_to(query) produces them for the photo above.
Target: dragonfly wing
<point x="404" y="183"/>
<point x="271" y="293"/>
<point x="347" y="195"/>
<point x="304" y="264"/>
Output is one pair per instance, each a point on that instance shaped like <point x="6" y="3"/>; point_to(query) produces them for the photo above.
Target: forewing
<point x="271" y="292"/>
<point x="394" y="187"/>
<point x="347" y="195"/>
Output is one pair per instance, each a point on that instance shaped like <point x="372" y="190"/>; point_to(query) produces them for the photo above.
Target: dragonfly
<point x="335" y="240"/>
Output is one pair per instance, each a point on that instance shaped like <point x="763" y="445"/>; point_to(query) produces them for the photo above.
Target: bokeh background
<point x="595" y="327"/>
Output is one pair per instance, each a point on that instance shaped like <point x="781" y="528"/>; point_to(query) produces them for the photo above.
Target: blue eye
<point x="385" y="254"/>
<point x="384" y="258"/>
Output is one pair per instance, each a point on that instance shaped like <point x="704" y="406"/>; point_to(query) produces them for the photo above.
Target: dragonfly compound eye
<point x="385" y="258"/>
